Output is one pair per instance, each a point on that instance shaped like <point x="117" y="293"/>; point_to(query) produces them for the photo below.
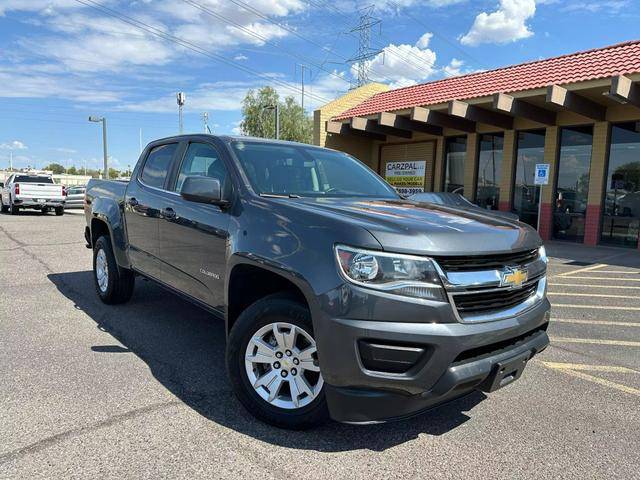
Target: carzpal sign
<point x="406" y="177"/>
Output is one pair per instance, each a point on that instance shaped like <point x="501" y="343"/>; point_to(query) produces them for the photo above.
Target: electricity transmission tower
<point x="365" y="52"/>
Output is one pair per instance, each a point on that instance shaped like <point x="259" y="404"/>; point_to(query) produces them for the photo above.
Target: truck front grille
<point x="492" y="300"/>
<point x="486" y="262"/>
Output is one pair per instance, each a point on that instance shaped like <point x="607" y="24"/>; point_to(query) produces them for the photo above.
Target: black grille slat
<point x="486" y="262"/>
<point x="488" y="301"/>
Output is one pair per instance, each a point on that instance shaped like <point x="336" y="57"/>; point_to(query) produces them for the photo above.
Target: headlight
<point x="406" y="275"/>
<point x="542" y="254"/>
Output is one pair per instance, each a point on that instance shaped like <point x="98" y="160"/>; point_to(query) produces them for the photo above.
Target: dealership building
<point x="482" y="135"/>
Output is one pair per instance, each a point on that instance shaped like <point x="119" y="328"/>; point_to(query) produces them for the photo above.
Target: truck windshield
<point x="307" y="172"/>
<point x="32" y="179"/>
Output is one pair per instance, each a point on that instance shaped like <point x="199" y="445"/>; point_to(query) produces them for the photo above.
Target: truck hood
<point x="424" y="228"/>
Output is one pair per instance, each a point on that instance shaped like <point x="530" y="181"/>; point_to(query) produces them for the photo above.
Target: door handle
<point x="168" y="213"/>
<point x="133" y="202"/>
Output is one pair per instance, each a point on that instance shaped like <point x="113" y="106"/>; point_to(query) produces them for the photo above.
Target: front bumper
<point x="456" y="359"/>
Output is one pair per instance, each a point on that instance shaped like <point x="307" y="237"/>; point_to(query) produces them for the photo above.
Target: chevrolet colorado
<point x="340" y="298"/>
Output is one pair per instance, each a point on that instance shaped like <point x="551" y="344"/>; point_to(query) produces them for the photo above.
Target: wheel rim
<point x="102" y="271"/>
<point x="281" y="362"/>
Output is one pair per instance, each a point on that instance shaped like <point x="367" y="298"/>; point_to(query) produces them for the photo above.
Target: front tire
<point x="113" y="285"/>
<point x="59" y="211"/>
<point x="273" y="366"/>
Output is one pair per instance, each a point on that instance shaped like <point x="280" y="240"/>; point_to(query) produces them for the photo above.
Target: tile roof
<point x="620" y="59"/>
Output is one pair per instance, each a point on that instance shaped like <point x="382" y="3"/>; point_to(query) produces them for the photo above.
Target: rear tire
<point x="3" y="208"/>
<point x="59" y="211"/>
<point x="44" y="210"/>
<point x="13" y="209"/>
<point x="294" y="369"/>
<point x="113" y="285"/>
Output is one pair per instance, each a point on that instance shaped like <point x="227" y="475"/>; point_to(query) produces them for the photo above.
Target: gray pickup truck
<point x="340" y="298"/>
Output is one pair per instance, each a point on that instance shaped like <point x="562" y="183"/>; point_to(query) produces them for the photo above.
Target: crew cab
<point x="33" y="191"/>
<point x="340" y="298"/>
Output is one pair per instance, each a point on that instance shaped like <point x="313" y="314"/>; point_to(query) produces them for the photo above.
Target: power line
<point x="187" y="44"/>
<point x="262" y="38"/>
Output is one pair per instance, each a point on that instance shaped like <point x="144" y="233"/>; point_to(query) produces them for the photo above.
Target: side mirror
<point x="1" y="184"/>
<point x="201" y="189"/>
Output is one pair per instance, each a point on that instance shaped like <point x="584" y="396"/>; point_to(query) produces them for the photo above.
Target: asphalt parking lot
<point x="140" y="390"/>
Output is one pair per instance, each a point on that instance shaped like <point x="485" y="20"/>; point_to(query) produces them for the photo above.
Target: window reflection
<point x="526" y="194"/>
<point x="572" y="186"/>
<point x="489" y="170"/>
<point x="621" y="214"/>
<point x="455" y="152"/>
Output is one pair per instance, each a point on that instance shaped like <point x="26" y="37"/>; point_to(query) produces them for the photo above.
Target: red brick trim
<point x="592" y="225"/>
<point x="504" y="206"/>
<point x="546" y="219"/>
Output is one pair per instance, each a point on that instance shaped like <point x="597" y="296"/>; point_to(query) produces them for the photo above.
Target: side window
<point x="203" y="160"/>
<point x="157" y="166"/>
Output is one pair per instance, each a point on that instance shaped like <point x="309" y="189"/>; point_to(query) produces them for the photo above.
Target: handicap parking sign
<point x="542" y="174"/>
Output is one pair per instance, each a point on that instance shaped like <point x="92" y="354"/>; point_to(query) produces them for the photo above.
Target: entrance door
<point x="526" y="195"/>
<point x="409" y="152"/>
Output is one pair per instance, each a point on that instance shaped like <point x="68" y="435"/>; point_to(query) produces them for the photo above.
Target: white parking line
<point x="585" y="269"/>
<point x="595" y="341"/>
<point x="596" y="307"/>
<point x="619" y="271"/>
<point x="601" y="295"/>
<point x="577" y="370"/>
<point x="601" y="278"/>
<point x="596" y="322"/>
<point x="584" y="285"/>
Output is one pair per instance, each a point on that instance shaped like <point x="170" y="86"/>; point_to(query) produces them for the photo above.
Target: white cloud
<point x="423" y="41"/>
<point x="64" y="150"/>
<point x="610" y="7"/>
<point x="453" y="69"/>
<point x="240" y="57"/>
<point x="14" y="145"/>
<point x="403" y="65"/>
<point x="507" y="24"/>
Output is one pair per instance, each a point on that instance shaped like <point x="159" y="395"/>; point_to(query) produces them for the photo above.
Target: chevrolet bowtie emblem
<point x="514" y="277"/>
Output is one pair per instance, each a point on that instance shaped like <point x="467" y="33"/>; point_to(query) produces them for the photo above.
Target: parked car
<point x="340" y="298"/>
<point x="75" y="197"/>
<point x="34" y="191"/>
<point x="458" y="201"/>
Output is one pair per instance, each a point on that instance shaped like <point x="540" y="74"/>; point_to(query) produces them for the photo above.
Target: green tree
<point x="72" y="171"/>
<point x="113" y="173"/>
<point x="258" y="121"/>
<point x="56" y="168"/>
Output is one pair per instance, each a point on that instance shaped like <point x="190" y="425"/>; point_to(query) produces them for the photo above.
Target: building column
<point x="597" y="176"/>
<point x="508" y="164"/>
<point x="551" y="146"/>
<point x="471" y="166"/>
<point x="438" y="165"/>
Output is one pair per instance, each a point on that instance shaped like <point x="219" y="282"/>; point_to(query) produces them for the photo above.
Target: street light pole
<point x="95" y="119"/>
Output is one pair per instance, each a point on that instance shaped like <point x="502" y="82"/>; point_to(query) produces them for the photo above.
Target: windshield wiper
<point x="280" y="195"/>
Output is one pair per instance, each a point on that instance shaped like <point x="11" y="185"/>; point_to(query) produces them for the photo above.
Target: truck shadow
<point x="184" y="348"/>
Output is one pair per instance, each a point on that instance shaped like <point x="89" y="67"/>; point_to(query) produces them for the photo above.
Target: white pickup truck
<point x="36" y="191"/>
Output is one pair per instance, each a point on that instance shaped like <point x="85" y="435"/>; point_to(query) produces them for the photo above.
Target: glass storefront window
<point x="526" y="194"/>
<point x="489" y="170"/>
<point x="621" y="213"/>
<point x="455" y="153"/>
<point x="572" y="184"/>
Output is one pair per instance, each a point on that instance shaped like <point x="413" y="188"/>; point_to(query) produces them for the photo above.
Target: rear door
<point x="193" y="236"/>
<point x="144" y="199"/>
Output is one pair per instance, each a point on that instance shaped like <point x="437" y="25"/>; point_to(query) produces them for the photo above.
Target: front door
<point x="143" y="202"/>
<point x="193" y="236"/>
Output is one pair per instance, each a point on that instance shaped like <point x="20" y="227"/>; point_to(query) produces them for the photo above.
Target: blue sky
<point x="62" y="60"/>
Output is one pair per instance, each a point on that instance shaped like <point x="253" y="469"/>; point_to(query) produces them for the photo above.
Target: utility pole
<point x="95" y="119"/>
<point x="180" y="98"/>
<point x="365" y="52"/>
<point x="302" y="67"/>
<point x="276" y="112"/>
<point x="11" y="160"/>
<point x="205" y="122"/>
